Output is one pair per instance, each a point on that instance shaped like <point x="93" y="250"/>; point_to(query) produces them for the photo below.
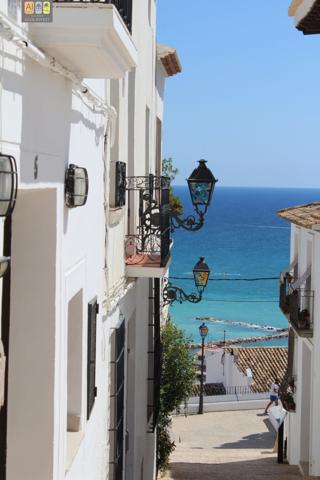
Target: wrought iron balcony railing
<point x="151" y="243"/>
<point x="124" y="7"/>
<point x="301" y="311"/>
<point x="286" y="393"/>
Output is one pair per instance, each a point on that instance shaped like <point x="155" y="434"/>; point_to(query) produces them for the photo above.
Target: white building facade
<point x="81" y="300"/>
<point x="221" y="367"/>
<point x="300" y="302"/>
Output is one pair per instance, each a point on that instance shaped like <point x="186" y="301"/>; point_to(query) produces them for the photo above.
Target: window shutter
<point x="91" y="353"/>
<point x="120" y="184"/>
<point x="291" y="341"/>
<point x="119" y="401"/>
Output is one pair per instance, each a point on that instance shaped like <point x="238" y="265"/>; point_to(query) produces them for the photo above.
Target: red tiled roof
<point x="266" y="364"/>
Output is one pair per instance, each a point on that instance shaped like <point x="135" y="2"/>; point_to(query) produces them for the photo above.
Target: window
<point x="147" y="145"/>
<point x="118" y="397"/>
<point x="154" y="358"/>
<point x="93" y="309"/>
<point x="120" y="186"/>
<point x="158" y="147"/>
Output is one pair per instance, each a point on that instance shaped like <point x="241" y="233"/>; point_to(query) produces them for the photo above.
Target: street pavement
<point x="226" y="445"/>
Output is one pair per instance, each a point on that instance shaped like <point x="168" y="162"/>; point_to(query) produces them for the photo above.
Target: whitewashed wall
<point x="303" y="426"/>
<point x="56" y="252"/>
<point x="221" y="368"/>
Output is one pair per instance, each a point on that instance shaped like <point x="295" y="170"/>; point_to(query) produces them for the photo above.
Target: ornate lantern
<point x="201" y="185"/>
<point x="201" y="274"/>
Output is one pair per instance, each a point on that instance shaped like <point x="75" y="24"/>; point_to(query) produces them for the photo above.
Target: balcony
<point x="90" y="38"/>
<point x="147" y="251"/>
<point x="297" y="303"/>
<point x="301" y="311"/>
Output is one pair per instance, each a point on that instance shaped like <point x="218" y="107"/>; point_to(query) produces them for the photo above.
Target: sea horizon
<point x="183" y="185"/>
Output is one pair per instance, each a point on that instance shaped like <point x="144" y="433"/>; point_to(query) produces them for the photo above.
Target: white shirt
<point x="274" y="389"/>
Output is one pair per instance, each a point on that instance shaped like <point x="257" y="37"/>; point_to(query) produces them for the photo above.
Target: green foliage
<point x="164" y="444"/>
<point x="177" y="369"/>
<point x="178" y="377"/>
<point x="168" y="170"/>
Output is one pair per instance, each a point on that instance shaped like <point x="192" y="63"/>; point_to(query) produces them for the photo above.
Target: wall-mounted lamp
<point x="172" y="293"/>
<point x="76" y="186"/>
<point x="4" y="264"/>
<point x="201" y="185"/>
<point x="8" y="184"/>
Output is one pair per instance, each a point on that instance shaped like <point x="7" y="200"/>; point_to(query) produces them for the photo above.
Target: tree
<point x="168" y="170"/>
<point x="178" y="376"/>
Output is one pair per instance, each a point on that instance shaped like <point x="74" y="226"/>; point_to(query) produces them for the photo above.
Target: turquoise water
<point x="242" y="238"/>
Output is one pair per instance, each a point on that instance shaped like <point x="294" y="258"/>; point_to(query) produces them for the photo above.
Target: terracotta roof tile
<point x="307" y="215"/>
<point x="266" y="363"/>
<point x="169" y="59"/>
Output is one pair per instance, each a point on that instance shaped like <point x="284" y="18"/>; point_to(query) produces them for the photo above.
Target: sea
<point x="246" y="245"/>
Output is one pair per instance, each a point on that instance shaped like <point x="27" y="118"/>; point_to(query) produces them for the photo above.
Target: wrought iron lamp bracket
<point x="172" y="293"/>
<point x="190" y="223"/>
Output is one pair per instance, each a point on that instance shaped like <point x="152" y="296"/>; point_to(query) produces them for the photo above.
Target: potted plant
<point x="288" y="402"/>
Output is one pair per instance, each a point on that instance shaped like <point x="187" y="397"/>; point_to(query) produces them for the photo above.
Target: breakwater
<point x="239" y="340"/>
<point x="248" y="325"/>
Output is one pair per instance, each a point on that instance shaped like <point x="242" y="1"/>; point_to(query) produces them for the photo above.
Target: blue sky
<point x="248" y="99"/>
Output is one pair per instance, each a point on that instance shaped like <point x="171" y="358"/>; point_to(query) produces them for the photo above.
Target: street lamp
<point x="172" y="293"/>
<point x="203" y="330"/>
<point x="201" y="185"/>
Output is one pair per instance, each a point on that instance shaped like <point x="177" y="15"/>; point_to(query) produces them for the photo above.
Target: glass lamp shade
<point x="201" y="274"/>
<point x="201" y="184"/>
<point x="8" y="184"/>
<point x="203" y="330"/>
<point x="77" y="185"/>
<point x="4" y="264"/>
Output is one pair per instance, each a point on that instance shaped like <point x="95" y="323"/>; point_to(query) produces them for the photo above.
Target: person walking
<point x="274" y="395"/>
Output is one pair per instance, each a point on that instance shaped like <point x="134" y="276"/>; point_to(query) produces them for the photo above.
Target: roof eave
<point x="170" y="60"/>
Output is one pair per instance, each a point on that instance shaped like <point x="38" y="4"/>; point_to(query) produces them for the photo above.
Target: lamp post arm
<point x="172" y="293"/>
<point x="189" y="223"/>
